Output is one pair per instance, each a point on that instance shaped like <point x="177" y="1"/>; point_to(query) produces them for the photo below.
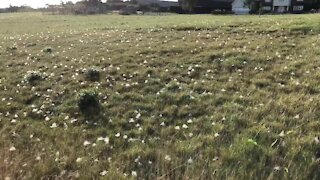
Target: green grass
<point x="182" y="97"/>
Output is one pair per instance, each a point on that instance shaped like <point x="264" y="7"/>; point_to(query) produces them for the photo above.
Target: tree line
<point x="12" y="9"/>
<point x="88" y="7"/>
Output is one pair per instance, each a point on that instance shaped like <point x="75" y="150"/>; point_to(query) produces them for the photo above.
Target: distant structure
<point x="233" y="6"/>
<point x="128" y="7"/>
<point x="253" y="6"/>
<point x="239" y="7"/>
<point x="283" y="6"/>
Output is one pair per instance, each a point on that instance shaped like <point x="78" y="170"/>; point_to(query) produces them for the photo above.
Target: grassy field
<point x="181" y="97"/>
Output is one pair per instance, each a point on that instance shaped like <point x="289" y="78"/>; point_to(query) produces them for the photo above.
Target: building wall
<point x="281" y="6"/>
<point x="281" y="2"/>
<point x="238" y="7"/>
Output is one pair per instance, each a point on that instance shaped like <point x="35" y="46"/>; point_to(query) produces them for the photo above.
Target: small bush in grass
<point x="93" y="74"/>
<point x="88" y="102"/>
<point x="12" y="48"/>
<point x="33" y="76"/>
<point x="48" y="50"/>
<point x="173" y="86"/>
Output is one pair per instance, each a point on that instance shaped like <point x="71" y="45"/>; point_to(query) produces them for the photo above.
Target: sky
<point x="32" y="3"/>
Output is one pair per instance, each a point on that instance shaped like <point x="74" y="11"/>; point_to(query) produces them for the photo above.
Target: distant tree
<point x="68" y="8"/>
<point x="93" y="2"/>
<point x="133" y="2"/>
<point x="188" y="5"/>
<point x="248" y="2"/>
<point x="254" y="5"/>
<point x="315" y="4"/>
<point x="114" y="1"/>
<point x="80" y="7"/>
<point x="69" y="3"/>
<point x="12" y="8"/>
<point x="25" y="8"/>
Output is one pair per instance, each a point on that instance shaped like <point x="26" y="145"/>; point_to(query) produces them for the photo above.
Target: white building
<point x="281" y="6"/>
<point x="238" y="7"/>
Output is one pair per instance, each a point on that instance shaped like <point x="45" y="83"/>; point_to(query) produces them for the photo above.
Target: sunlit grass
<point x="179" y="96"/>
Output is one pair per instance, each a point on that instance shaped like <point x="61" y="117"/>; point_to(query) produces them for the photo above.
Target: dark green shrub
<point x="88" y="102"/>
<point x="48" y="50"/>
<point x="33" y="76"/>
<point x="12" y="48"/>
<point x="93" y="74"/>
<point x="173" y="87"/>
